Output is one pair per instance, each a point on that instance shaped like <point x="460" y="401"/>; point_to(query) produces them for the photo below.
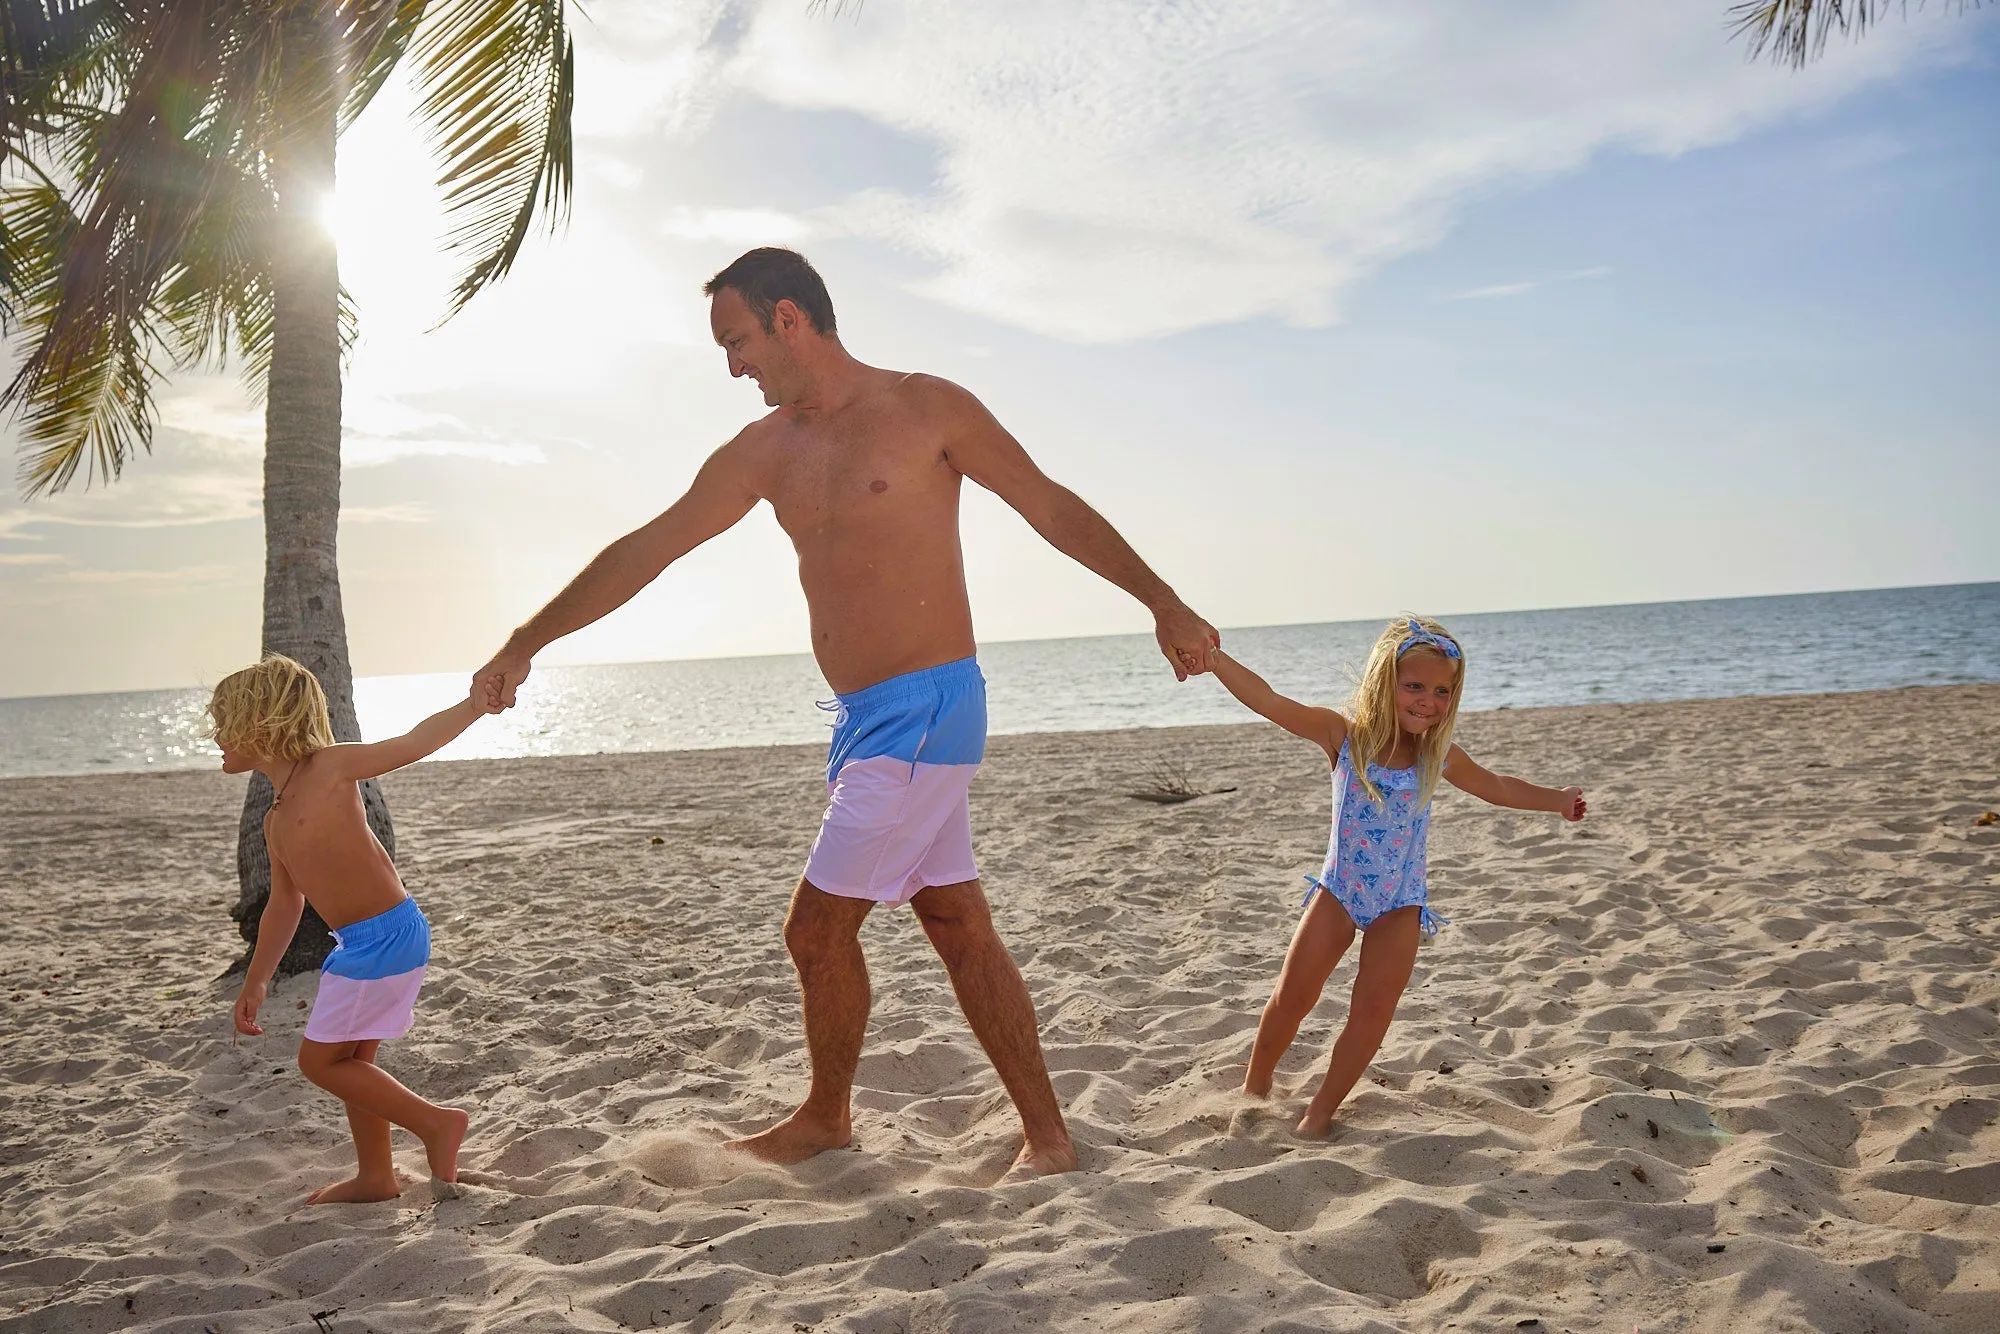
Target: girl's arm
<point x="1322" y="726"/>
<point x="373" y="759"/>
<point x="1503" y="790"/>
<point x="275" y="929"/>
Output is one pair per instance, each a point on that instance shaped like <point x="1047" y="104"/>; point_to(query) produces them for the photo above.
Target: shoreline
<point x="1250" y="721"/>
<point x="1765" y="974"/>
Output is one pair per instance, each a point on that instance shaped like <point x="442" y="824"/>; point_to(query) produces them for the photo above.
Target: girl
<point x="273" y="718"/>
<point x="1386" y="763"/>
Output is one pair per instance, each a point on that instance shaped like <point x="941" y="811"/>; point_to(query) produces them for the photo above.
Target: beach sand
<point x="1723" y="1058"/>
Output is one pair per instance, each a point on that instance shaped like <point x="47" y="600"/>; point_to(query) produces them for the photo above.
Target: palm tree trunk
<point x="302" y="609"/>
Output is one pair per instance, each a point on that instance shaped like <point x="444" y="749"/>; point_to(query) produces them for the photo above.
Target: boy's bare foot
<point x="441" y="1146"/>
<point x="795" y="1139"/>
<point x="1041" y="1160"/>
<point x="358" y="1190"/>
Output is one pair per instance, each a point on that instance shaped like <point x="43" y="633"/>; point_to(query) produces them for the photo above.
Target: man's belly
<point x="861" y="636"/>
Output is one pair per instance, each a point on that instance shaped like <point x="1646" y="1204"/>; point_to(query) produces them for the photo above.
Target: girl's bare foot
<point x="441" y="1145"/>
<point x="1253" y="1087"/>
<point x="1315" y="1125"/>
<point x="358" y="1190"/>
<point x="796" y="1138"/>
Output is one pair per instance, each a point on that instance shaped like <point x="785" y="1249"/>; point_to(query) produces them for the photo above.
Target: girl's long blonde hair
<point x="275" y="711"/>
<point x="1372" y="730"/>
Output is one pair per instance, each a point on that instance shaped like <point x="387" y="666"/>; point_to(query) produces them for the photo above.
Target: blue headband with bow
<point x="1419" y="635"/>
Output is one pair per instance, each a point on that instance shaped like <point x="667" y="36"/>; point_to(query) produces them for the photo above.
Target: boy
<point x="273" y="718"/>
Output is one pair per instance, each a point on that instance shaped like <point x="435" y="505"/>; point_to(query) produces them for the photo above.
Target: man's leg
<point x="823" y="935"/>
<point x="996" y="1004"/>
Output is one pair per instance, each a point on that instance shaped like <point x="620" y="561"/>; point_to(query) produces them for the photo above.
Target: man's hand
<point x="248" y="1002"/>
<point x="1573" y="805"/>
<point x="493" y="685"/>
<point x="1185" y="639"/>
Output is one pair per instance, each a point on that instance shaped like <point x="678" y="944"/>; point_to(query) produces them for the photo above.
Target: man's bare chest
<point x="847" y="482"/>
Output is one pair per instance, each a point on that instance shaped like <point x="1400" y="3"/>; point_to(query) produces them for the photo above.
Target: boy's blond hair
<point x="1371" y="733"/>
<point x="274" y="711"/>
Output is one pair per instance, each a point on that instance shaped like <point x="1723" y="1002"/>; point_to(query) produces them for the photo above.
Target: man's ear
<point x="786" y="315"/>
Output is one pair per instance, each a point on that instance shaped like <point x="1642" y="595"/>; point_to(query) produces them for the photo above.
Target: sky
<point x="1334" y="308"/>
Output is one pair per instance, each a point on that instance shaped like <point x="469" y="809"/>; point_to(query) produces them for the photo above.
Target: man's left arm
<point x="980" y="448"/>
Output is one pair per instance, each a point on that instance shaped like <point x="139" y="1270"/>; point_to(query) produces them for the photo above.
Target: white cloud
<point x="1131" y="168"/>
<point x="181" y="577"/>
<point x="743" y="226"/>
<point x="31" y="558"/>
<point x="1522" y="288"/>
<point x="406" y="512"/>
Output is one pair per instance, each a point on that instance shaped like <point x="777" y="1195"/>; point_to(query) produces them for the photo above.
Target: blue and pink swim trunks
<point x="903" y="757"/>
<point x="368" y="985"/>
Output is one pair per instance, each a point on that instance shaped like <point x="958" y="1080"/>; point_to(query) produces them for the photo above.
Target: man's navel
<point x="878" y="486"/>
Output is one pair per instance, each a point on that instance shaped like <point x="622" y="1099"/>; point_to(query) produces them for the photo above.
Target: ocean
<point x="1583" y="655"/>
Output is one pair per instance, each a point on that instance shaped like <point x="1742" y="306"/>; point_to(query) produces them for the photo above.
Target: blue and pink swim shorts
<point x="368" y="985"/>
<point x="903" y="757"/>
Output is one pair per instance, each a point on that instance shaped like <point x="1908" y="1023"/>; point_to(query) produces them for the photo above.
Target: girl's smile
<point x="1424" y="683"/>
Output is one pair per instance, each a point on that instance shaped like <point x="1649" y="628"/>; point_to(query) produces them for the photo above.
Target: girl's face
<point x="1424" y="683"/>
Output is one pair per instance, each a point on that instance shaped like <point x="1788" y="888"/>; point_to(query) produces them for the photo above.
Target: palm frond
<point x="376" y="44"/>
<point x="498" y="85"/>
<point x="1795" y="32"/>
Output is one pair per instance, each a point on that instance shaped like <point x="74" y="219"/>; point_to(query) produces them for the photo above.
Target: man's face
<point x="752" y="352"/>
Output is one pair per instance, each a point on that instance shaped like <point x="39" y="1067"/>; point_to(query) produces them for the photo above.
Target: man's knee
<point x="958" y="931"/>
<point x="818" y="933"/>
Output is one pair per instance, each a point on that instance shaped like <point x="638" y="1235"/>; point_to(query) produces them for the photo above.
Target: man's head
<point x="762" y="307"/>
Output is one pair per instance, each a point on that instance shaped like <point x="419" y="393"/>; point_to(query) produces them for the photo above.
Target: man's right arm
<point x="721" y="494"/>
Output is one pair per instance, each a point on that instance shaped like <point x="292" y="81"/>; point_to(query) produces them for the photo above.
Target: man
<point x="862" y="468"/>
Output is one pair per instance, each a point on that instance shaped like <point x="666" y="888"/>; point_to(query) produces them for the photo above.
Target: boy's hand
<point x="248" y="1002"/>
<point x="1575" y="806"/>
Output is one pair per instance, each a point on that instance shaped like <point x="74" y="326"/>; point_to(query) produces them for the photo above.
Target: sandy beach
<point x="1725" y="1057"/>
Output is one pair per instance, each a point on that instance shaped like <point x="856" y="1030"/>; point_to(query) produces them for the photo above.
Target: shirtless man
<point x="862" y="468"/>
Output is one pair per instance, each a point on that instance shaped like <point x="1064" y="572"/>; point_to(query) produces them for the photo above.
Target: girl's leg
<point x="1388" y="953"/>
<point x="1323" y="935"/>
<point x="372" y="1094"/>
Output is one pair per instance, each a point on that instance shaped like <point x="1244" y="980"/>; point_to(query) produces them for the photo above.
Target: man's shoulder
<point x="934" y="396"/>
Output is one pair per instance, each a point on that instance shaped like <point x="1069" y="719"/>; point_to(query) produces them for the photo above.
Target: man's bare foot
<point x="441" y="1146"/>
<point x="1038" y="1160"/>
<point x="1313" y="1125"/>
<point x="358" y="1190"/>
<point x="795" y="1139"/>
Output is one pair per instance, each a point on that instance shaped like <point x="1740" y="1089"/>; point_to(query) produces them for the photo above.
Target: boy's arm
<point x="357" y="760"/>
<point x="275" y="929"/>
<point x="1504" y="790"/>
<point x="1323" y="726"/>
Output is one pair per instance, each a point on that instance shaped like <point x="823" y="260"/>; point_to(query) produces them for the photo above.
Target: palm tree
<point x="182" y="152"/>
<point x="1796" y="31"/>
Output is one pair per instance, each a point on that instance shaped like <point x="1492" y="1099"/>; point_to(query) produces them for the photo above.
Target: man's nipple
<point x="878" y="486"/>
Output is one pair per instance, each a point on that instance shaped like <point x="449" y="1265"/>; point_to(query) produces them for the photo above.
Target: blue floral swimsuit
<point x="1376" y="855"/>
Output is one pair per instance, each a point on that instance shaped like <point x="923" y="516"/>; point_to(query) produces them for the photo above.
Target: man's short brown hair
<point x="770" y="274"/>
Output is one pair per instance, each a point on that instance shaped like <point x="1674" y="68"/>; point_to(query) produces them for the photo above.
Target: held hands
<point x="248" y="1002"/>
<point x="494" y="685"/>
<point x="1185" y="639"/>
<point x="1573" y="806"/>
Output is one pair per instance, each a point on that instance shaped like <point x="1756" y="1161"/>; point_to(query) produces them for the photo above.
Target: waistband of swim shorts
<point x="379" y="927"/>
<point x="963" y="672"/>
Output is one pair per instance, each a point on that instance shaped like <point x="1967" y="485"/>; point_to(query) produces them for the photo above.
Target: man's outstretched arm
<point x="720" y="495"/>
<point x="983" y="450"/>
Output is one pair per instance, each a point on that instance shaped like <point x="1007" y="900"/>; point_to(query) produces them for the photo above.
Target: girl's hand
<point x="248" y="1002"/>
<point x="1574" y="805"/>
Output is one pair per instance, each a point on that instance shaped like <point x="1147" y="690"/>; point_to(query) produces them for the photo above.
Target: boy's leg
<point x="1322" y="937"/>
<point x="374" y="1166"/>
<point x="363" y="1086"/>
<point x="1388" y="954"/>
<point x="995" y="1001"/>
